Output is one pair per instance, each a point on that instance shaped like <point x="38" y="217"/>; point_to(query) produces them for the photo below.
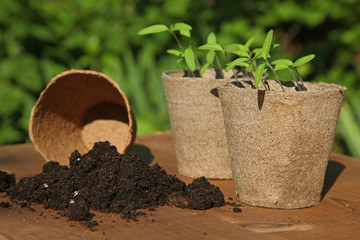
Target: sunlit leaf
<point x="185" y="33"/>
<point x="190" y="59"/>
<point x="211" y="38"/>
<point x="258" y="75"/>
<point x="153" y="29"/>
<point x="267" y="44"/>
<point x="282" y="62"/>
<point x="181" y="27"/>
<point x="237" y="62"/>
<point x="210" y="56"/>
<point x="257" y="52"/>
<point x="280" y="67"/>
<point x="204" y="67"/>
<point x="211" y="46"/>
<point x="249" y="42"/>
<point x="175" y="52"/>
<point x="276" y="45"/>
<point x="303" y="60"/>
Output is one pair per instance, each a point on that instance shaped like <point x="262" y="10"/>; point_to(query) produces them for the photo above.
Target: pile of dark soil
<point x="107" y="181"/>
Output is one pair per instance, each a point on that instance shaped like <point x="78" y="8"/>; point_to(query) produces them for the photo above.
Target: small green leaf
<point x="250" y="68"/>
<point x="257" y="52"/>
<point x="211" y="46"/>
<point x="237" y="62"/>
<point x="303" y="60"/>
<point x="190" y="59"/>
<point x="181" y="27"/>
<point x="210" y="56"/>
<point x="258" y="75"/>
<point x="249" y="42"/>
<point x="243" y="53"/>
<point x="232" y="48"/>
<point x="185" y="33"/>
<point x="211" y="38"/>
<point x="276" y="45"/>
<point x="204" y="67"/>
<point x="282" y="62"/>
<point x="175" y="52"/>
<point x="179" y="60"/>
<point x="267" y="44"/>
<point x="238" y="49"/>
<point x="280" y="67"/>
<point x="153" y="29"/>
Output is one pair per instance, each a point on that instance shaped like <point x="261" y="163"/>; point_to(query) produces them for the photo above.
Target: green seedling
<point x="184" y="53"/>
<point x="211" y="56"/>
<point x="212" y="46"/>
<point x="249" y="58"/>
<point x="281" y="64"/>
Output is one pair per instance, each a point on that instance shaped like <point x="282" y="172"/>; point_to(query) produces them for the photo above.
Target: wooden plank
<point x="336" y="217"/>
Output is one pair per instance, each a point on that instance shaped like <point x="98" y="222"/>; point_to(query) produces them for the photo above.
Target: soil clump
<point x="6" y="181"/>
<point x="107" y="181"/>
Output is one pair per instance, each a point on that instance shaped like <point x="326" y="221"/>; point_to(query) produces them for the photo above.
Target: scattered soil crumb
<point x="90" y="224"/>
<point x="236" y="209"/>
<point x="107" y="181"/>
<point x="5" y="205"/>
<point x="6" y="181"/>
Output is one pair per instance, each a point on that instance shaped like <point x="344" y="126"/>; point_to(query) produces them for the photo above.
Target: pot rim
<point x="313" y="87"/>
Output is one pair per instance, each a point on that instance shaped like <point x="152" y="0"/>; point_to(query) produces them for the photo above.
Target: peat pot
<point x="280" y="142"/>
<point x="197" y="124"/>
<point x="76" y="109"/>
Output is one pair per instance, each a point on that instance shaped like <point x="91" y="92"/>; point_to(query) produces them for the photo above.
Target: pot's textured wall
<point x="76" y="109"/>
<point x="197" y="124"/>
<point x="280" y="142"/>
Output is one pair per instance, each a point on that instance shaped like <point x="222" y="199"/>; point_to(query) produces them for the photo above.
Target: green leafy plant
<point x="184" y="53"/>
<point x="258" y="60"/>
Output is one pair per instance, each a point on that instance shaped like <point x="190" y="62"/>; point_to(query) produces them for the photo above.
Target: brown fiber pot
<point x="280" y="142"/>
<point x="197" y="124"/>
<point x="76" y="109"/>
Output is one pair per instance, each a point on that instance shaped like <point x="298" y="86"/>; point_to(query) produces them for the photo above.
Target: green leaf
<point x="250" y="68"/>
<point x="181" y="27"/>
<point x="249" y="42"/>
<point x="175" y="52"/>
<point x="210" y="56"/>
<point x="238" y="49"/>
<point x="303" y="60"/>
<point x="179" y="60"/>
<point x="211" y="46"/>
<point x="185" y="33"/>
<point x="276" y="45"/>
<point x="280" y="67"/>
<point x="257" y="52"/>
<point x="237" y="62"/>
<point x="243" y="53"/>
<point x="211" y="38"/>
<point x="232" y="48"/>
<point x="282" y="62"/>
<point x="204" y="67"/>
<point x="258" y="75"/>
<point x="190" y="59"/>
<point x="267" y="44"/>
<point x="153" y="29"/>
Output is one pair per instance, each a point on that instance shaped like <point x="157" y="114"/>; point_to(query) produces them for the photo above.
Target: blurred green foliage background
<point x="39" y="39"/>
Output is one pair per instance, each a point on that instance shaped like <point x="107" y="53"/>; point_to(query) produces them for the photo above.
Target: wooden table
<point x="336" y="217"/>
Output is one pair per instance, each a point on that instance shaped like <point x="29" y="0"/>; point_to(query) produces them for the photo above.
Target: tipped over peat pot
<point x="280" y="142"/>
<point x="78" y="108"/>
<point x="197" y="124"/>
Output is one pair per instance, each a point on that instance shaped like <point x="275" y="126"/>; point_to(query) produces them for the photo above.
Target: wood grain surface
<point x="336" y="217"/>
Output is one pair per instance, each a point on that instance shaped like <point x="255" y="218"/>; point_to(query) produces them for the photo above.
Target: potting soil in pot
<point x="107" y="181"/>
